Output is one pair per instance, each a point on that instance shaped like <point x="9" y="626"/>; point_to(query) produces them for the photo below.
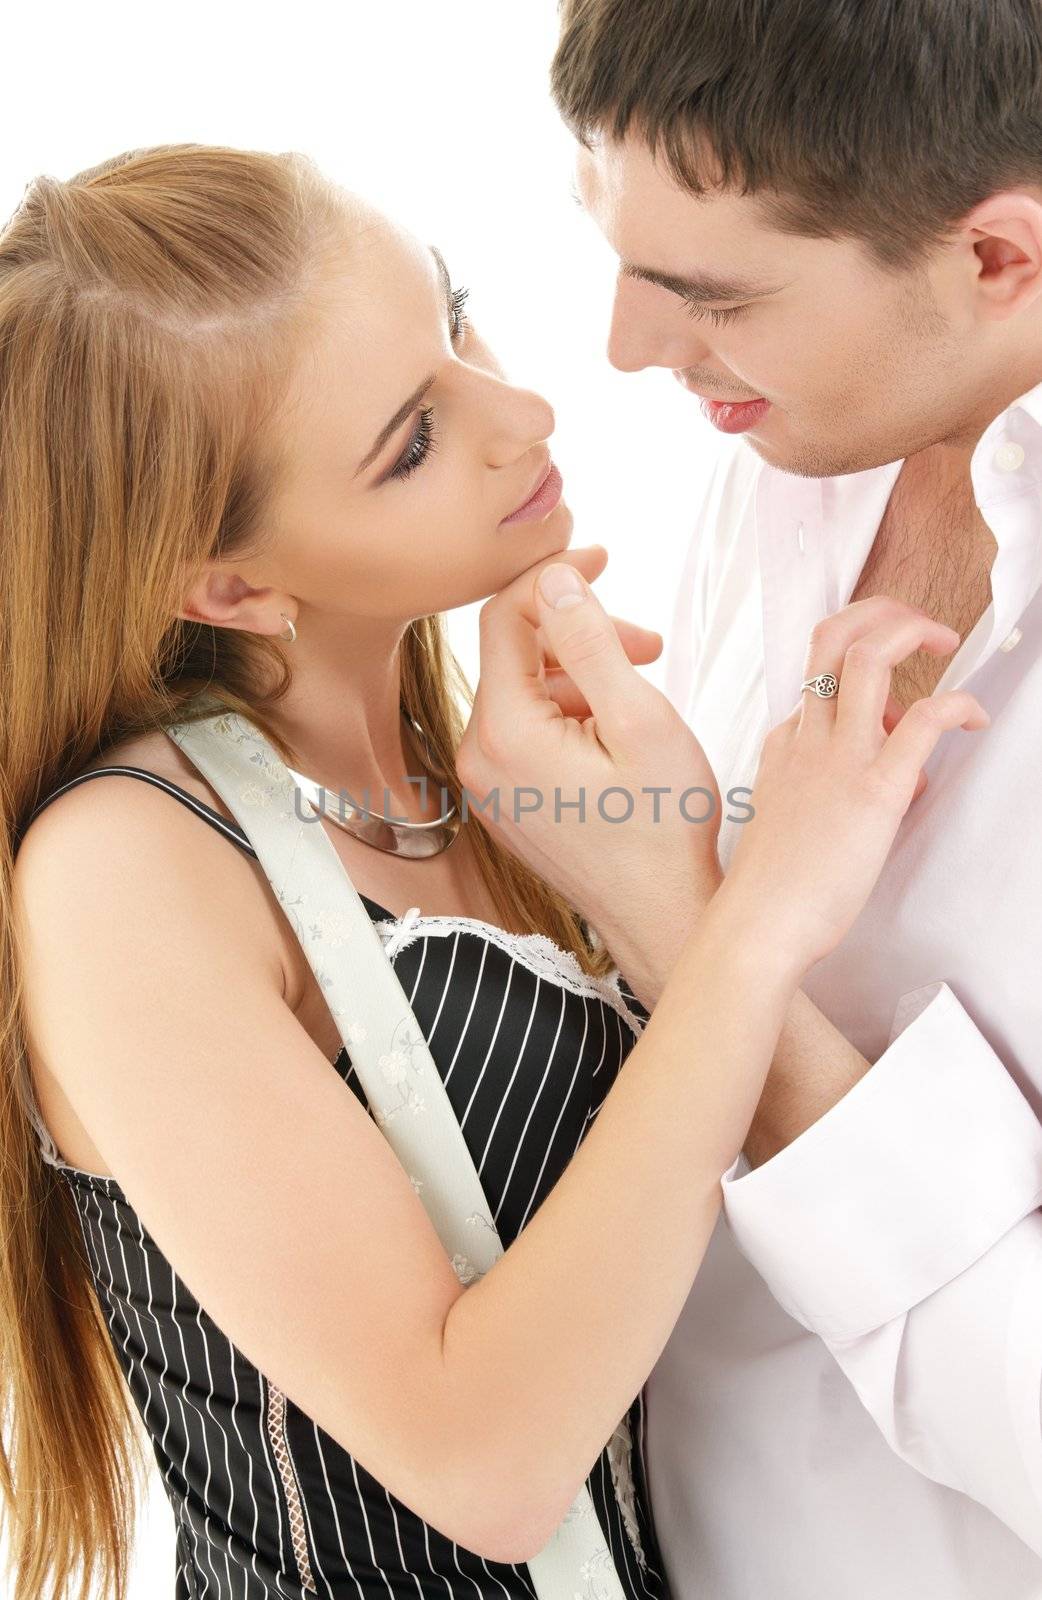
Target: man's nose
<point x="649" y="329"/>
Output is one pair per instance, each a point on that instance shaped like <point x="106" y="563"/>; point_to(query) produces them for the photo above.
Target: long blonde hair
<point x="149" y="309"/>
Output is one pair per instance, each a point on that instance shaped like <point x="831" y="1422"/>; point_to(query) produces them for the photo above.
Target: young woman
<point x="249" y="445"/>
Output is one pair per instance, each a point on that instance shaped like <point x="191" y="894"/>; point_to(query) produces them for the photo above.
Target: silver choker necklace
<point x="414" y="840"/>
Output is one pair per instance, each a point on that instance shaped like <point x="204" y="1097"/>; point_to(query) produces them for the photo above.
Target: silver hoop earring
<point x="292" y="629"/>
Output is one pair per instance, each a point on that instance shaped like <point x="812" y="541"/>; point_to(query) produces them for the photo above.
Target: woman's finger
<point x="865" y="672"/>
<point x="909" y="747"/>
<point x="833" y="636"/>
<point x="891" y="717"/>
<point x="892" y="713"/>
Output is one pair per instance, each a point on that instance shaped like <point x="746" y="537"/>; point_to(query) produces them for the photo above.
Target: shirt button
<point x="799" y="537"/>
<point x="1009" y="456"/>
<point x="1012" y="640"/>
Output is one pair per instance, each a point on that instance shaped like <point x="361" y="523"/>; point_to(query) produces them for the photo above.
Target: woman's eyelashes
<point x="423" y="442"/>
<point x="457" y="315"/>
<point x="420" y="446"/>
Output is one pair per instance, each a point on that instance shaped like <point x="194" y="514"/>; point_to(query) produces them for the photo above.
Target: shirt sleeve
<point x="903" y="1229"/>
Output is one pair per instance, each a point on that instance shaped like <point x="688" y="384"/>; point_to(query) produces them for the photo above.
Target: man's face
<point x="859" y="365"/>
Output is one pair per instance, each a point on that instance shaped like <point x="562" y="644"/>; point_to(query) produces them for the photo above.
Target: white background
<point x="438" y="111"/>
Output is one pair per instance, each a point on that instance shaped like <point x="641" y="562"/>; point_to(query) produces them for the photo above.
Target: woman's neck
<point x="342" y="717"/>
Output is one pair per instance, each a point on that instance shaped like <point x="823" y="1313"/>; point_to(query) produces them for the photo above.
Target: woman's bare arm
<point x="159" y="1006"/>
<point x="157" y="1003"/>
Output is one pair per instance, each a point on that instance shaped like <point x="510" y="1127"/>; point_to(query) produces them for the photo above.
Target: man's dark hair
<point x="881" y="120"/>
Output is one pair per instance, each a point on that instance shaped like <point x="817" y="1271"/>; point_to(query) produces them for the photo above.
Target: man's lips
<point x="730" y="416"/>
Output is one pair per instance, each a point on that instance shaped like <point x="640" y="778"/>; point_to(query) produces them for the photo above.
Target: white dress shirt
<point x="849" y="1405"/>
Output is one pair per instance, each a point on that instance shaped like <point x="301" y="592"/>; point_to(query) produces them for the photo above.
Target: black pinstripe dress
<point x="266" y="1504"/>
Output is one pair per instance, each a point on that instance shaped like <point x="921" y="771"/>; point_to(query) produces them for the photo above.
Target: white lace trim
<point x="47" y="1147"/>
<point x="534" y="951"/>
<point x="620" y="1459"/>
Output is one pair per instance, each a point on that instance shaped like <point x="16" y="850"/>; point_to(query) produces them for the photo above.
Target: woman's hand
<point x="563" y="721"/>
<point x="836" y="778"/>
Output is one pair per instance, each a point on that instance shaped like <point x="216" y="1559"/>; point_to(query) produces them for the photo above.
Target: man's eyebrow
<point x="702" y="286"/>
<point x="395" y="423"/>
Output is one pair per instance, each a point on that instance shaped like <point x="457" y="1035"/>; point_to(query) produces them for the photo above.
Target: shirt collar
<point x="1006" y="471"/>
<point x="1031" y="402"/>
<point x="814" y="536"/>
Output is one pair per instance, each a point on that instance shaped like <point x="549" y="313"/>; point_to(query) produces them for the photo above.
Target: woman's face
<point x="406" y="447"/>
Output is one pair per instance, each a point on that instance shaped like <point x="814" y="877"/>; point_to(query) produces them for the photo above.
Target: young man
<point x="829" y="219"/>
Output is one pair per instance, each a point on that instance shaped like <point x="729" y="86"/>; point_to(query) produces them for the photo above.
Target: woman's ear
<point x="222" y="597"/>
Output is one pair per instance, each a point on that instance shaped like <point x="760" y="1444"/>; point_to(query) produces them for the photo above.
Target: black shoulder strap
<point x="231" y="830"/>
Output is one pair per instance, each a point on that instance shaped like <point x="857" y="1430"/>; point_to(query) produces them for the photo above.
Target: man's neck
<point x="933" y="550"/>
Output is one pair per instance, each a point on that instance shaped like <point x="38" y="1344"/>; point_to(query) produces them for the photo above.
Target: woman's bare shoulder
<point x="141" y="843"/>
<point x="120" y="854"/>
<point x="158" y="753"/>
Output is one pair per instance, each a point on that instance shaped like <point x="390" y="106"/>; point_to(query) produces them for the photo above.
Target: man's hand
<point x="576" y="743"/>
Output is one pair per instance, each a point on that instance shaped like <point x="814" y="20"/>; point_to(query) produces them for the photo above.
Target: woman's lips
<point x="735" y="416"/>
<point x="542" y="502"/>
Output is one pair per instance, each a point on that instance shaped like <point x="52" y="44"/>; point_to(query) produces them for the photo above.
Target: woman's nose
<point x="516" y="419"/>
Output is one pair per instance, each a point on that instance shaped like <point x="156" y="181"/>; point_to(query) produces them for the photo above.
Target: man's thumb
<point x="585" y="642"/>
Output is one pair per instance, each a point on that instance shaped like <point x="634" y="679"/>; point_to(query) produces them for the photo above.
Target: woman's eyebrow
<point x="417" y="395"/>
<point x="395" y="423"/>
<point x="442" y="269"/>
<point x="703" y="286"/>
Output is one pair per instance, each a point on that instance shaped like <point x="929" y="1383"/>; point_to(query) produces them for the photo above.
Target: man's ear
<point x="1005" y="235"/>
<point x="224" y="599"/>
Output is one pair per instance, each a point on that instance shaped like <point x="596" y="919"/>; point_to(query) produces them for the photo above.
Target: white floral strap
<point x="389" y="1053"/>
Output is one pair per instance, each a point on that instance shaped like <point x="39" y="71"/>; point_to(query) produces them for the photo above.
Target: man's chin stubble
<point x="809" y="461"/>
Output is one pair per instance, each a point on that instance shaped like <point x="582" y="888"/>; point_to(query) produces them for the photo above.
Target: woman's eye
<point x="423" y="442"/>
<point x="457" y="315"/>
<point x="695" y="309"/>
<point x="420" y="446"/>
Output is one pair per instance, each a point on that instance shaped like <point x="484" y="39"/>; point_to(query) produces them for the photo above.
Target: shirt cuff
<point x="905" y="1182"/>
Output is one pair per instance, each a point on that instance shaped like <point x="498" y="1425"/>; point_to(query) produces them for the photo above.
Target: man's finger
<point x="583" y="639"/>
<point x="562" y="690"/>
<point x="511" y="682"/>
<point x="642" y="645"/>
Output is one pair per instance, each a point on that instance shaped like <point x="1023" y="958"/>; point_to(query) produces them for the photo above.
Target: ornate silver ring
<point x="825" y="685"/>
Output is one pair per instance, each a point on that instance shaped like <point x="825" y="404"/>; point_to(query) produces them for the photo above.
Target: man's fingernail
<point x="561" y="586"/>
